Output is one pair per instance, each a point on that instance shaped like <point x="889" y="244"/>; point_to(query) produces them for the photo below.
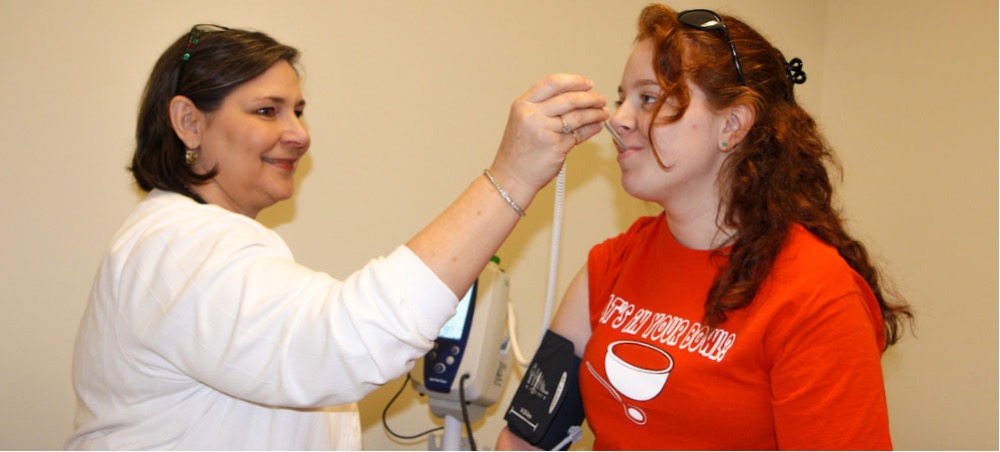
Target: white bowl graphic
<point x="644" y="377"/>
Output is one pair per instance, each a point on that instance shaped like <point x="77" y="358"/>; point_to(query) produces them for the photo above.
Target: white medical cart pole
<point x="452" y="438"/>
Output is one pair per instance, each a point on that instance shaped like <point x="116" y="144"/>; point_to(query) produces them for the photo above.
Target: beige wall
<point x="407" y="101"/>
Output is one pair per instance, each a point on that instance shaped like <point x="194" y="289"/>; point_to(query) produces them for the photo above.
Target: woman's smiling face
<point x="687" y="149"/>
<point x="254" y="140"/>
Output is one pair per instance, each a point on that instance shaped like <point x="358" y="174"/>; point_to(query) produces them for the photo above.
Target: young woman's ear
<point x="739" y="120"/>
<point x="187" y="120"/>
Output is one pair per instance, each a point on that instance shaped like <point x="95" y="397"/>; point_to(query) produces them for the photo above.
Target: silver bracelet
<point x="503" y="192"/>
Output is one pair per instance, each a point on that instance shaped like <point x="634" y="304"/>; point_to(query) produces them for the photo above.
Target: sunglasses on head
<point x="703" y="19"/>
<point x="194" y="37"/>
<point x="197" y="32"/>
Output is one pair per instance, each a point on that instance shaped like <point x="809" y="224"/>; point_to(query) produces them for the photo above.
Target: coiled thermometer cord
<point x="550" y="292"/>
<point x="557" y="214"/>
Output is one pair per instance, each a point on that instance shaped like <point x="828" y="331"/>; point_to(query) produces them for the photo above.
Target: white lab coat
<point x="202" y="332"/>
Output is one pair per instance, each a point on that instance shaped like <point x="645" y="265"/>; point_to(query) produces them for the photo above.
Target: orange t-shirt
<point x="797" y="369"/>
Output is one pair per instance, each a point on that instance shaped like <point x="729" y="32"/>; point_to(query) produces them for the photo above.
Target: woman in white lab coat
<point x="202" y="332"/>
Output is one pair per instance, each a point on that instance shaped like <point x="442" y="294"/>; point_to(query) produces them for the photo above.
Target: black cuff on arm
<point x="548" y="401"/>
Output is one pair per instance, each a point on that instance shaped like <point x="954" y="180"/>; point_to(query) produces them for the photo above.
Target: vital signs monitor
<point x="471" y="357"/>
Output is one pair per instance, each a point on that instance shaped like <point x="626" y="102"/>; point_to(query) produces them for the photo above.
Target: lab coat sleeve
<point x="239" y="315"/>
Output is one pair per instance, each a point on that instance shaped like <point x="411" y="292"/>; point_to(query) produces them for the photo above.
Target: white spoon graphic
<point x="634" y="413"/>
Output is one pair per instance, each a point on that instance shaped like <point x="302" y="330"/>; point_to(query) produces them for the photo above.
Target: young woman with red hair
<point x="744" y="316"/>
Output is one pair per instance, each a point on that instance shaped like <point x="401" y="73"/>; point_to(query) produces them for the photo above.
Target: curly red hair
<point x="777" y="176"/>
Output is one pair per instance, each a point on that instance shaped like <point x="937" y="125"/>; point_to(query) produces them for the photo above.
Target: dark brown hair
<point x="219" y="63"/>
<point x="777" y="176"/>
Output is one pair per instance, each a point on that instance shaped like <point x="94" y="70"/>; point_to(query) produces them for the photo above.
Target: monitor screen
<point x="455" y="326"/>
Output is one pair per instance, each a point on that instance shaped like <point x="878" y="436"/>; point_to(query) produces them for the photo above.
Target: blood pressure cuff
<point x="548" y="401"/>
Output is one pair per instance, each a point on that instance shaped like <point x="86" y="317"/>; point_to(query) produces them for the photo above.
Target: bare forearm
<point x="462" y="239"/>
<point x="459" y="242"/>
